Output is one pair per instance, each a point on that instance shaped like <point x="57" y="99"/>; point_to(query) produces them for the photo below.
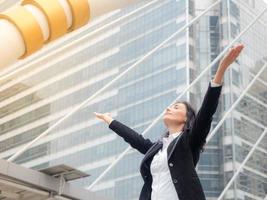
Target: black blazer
<point x="183" y="152"/>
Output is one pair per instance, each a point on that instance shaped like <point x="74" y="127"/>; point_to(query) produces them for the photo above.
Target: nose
<point x="168" y="108"/>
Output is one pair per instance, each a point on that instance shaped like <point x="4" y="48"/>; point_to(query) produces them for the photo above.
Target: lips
<point x="168" y="112"/>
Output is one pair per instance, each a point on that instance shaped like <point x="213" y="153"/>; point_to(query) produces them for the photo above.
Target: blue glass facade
<point x="50" y="86"/>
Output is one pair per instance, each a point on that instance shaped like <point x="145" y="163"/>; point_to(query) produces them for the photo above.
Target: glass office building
<point x="51" y="83"/>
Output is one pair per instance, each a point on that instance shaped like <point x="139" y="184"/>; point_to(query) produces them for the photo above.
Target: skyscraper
<point x="48" y="85"/>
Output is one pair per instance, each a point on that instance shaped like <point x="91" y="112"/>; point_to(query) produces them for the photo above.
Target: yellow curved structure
<point x="80" y="12"/>
<point x="55" y="16"/>
<point x="26" y="28"/>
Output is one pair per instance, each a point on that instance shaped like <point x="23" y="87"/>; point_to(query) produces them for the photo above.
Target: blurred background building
<point x="49" y="84"/>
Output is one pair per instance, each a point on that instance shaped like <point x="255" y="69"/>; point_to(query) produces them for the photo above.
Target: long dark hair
<point x="191" y="116"/>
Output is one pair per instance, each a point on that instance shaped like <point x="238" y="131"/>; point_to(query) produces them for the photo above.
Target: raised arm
<point x="201" y="126"/>
<point x="136" y="140"/>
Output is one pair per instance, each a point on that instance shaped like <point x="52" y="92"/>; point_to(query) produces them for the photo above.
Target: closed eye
<point x="176" y="106"/>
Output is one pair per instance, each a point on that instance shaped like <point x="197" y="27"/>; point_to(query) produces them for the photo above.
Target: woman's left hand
<point x="231" y="56"/>
<point x="228" y="59"/>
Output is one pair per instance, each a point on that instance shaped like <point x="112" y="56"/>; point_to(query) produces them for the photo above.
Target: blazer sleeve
<point x="137" y="141"/>
<point x="201" y="126"/>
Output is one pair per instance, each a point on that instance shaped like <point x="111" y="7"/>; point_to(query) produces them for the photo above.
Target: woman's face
<point x="175" y="114"/>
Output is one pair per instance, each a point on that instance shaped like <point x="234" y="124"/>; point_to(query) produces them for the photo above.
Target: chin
<point x="170" y="120"/>
<point x="166" y="120"/>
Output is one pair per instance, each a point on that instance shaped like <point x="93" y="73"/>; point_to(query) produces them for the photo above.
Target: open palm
<point x="106" y="117"/>
<point x="231" y="56"/>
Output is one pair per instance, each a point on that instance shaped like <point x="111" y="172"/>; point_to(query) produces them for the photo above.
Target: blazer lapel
<point x="172" y="145"/>
<point x="152" y="151"/>
<point x="155" y="148"/>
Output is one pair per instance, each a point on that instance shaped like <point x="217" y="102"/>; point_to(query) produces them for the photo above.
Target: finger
<point x="236" y="56"/>
<point x="233" y="50"/>
<point x="97" y="114"/>
<point x="231" y="59"/>
<point x="231" y="54"/>
<point x="240" y="47"/>
<point x="230" y="51"/>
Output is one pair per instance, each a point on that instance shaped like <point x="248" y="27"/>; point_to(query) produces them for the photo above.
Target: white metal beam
<point x="8" y="194"/>
<point x="35" y="183"/>
<point x="24" y="188"/>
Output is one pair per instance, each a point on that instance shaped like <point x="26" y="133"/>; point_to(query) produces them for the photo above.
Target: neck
<point x="175" y="129"/>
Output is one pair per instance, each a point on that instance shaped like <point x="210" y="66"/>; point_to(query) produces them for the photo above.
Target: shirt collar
<point x="171" y="136"/>
<point x="174" y="135"/>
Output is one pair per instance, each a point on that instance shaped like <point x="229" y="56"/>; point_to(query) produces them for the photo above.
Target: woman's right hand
<point x="104" y="116"/>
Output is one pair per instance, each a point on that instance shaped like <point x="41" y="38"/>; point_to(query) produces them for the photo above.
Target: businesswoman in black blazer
<point x="168" y="167"/>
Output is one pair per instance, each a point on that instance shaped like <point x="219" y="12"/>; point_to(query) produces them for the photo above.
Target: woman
<point x="168" y="167"/>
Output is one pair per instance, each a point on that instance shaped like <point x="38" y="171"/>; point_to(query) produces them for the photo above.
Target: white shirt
<point x="215" y="84"/>
<point x="162" y="185"/>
